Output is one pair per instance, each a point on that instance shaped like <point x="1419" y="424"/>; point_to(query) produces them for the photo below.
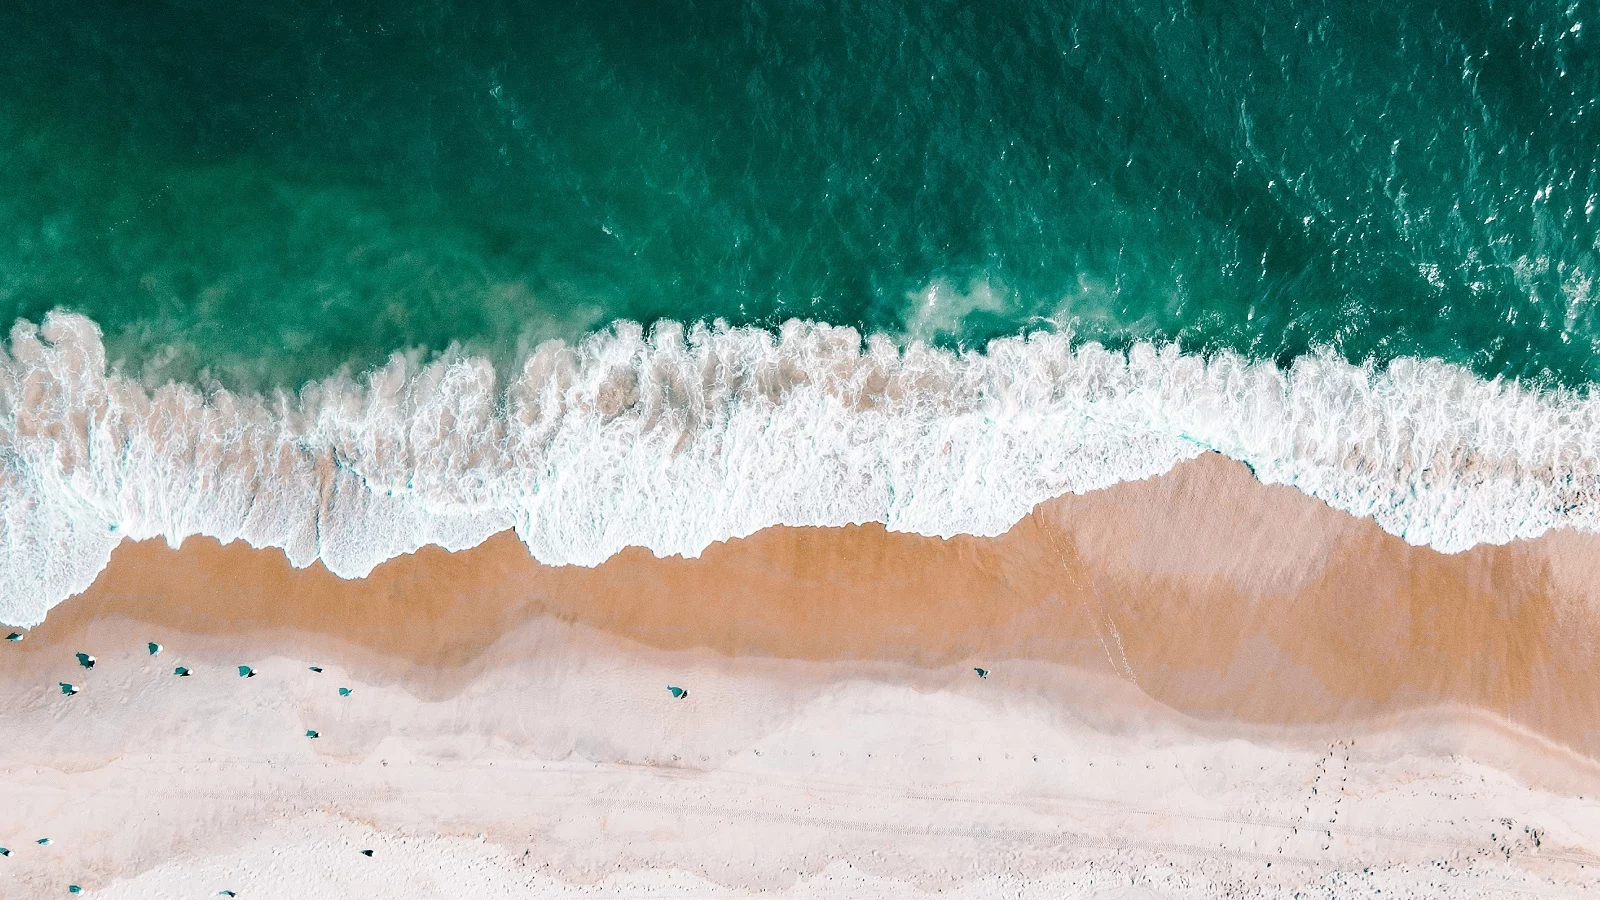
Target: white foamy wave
<point x="680" y="438"/>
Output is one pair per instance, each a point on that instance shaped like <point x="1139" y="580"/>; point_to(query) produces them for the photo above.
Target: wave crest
<point x="678" y="438"/>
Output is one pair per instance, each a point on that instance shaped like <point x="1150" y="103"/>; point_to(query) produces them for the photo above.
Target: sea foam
<point x="678" y="438"/>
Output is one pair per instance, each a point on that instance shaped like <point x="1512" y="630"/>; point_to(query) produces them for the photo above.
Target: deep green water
<point x="266" y="192"/>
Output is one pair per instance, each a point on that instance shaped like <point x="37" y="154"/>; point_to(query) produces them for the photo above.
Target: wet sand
<point x="1214" y="594"/>
<point x="1199" y="622"/>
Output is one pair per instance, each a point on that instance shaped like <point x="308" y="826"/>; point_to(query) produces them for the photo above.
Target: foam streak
<point x="678" y="438"/>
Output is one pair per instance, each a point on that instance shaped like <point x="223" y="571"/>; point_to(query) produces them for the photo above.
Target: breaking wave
<point x="680" y="437"/>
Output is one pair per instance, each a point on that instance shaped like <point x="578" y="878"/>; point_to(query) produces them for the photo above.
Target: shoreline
<point x="681" y="437"/>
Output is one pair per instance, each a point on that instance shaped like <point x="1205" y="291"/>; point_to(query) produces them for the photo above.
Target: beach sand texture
<point x="1189" y="678"/>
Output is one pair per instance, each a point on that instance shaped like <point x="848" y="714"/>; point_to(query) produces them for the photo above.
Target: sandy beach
<point x="1197" y="686"/>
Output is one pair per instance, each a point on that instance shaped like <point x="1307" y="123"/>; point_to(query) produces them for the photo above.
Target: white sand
<point x="564" y="768"/>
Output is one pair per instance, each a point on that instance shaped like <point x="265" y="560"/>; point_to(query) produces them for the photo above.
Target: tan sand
<point x="1201" y="686"/>
<point x="1216" y="595"/>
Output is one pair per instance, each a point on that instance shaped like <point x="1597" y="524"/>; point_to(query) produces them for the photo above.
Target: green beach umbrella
<point x="85" y="660"/>
<point x="74" y="889"/>
<point x="344" y="692"/>
<point x="982" y="673"/>
<point x="68" y="689"/>
<point x="366" y="853"/>
<point x="43" y="842"/>
<point x="155" y="648"/>
<point x="246" y="672"/>
<point x="181" y="671"/>
<point x="313" y="734"/>
<point x="317" y="669"/>
<point x="226" y="894"/>
<point x="14" y="636"/>
<point x="678" y="693"/>
<point x="4" y="851"/>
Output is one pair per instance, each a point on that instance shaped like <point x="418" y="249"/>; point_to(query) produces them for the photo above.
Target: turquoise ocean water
<point x="268" y="191"/>
<point x="291" y="273"/>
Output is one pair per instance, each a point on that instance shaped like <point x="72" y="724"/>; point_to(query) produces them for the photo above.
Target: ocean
<point x="348" y="278"/>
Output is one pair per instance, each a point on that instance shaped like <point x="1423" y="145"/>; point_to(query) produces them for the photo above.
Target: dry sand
<point x="1192" y="677"/>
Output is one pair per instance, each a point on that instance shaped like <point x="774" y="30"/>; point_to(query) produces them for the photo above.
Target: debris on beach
<point x="85" y="660"/>
<point x="155" y="648"/>
<point x="982" y="673"/>
<point x="317" y="669"/>
<point x="14" y="636"/>
<point x="344" y="692"/>
<point x="678" y="693"/>
<point x="313" y="734"/>
<point x="367" y="853"/>
<point x="246" y="672"/>
<point x="68" y="689"/>
<point x="181" y="671"/>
